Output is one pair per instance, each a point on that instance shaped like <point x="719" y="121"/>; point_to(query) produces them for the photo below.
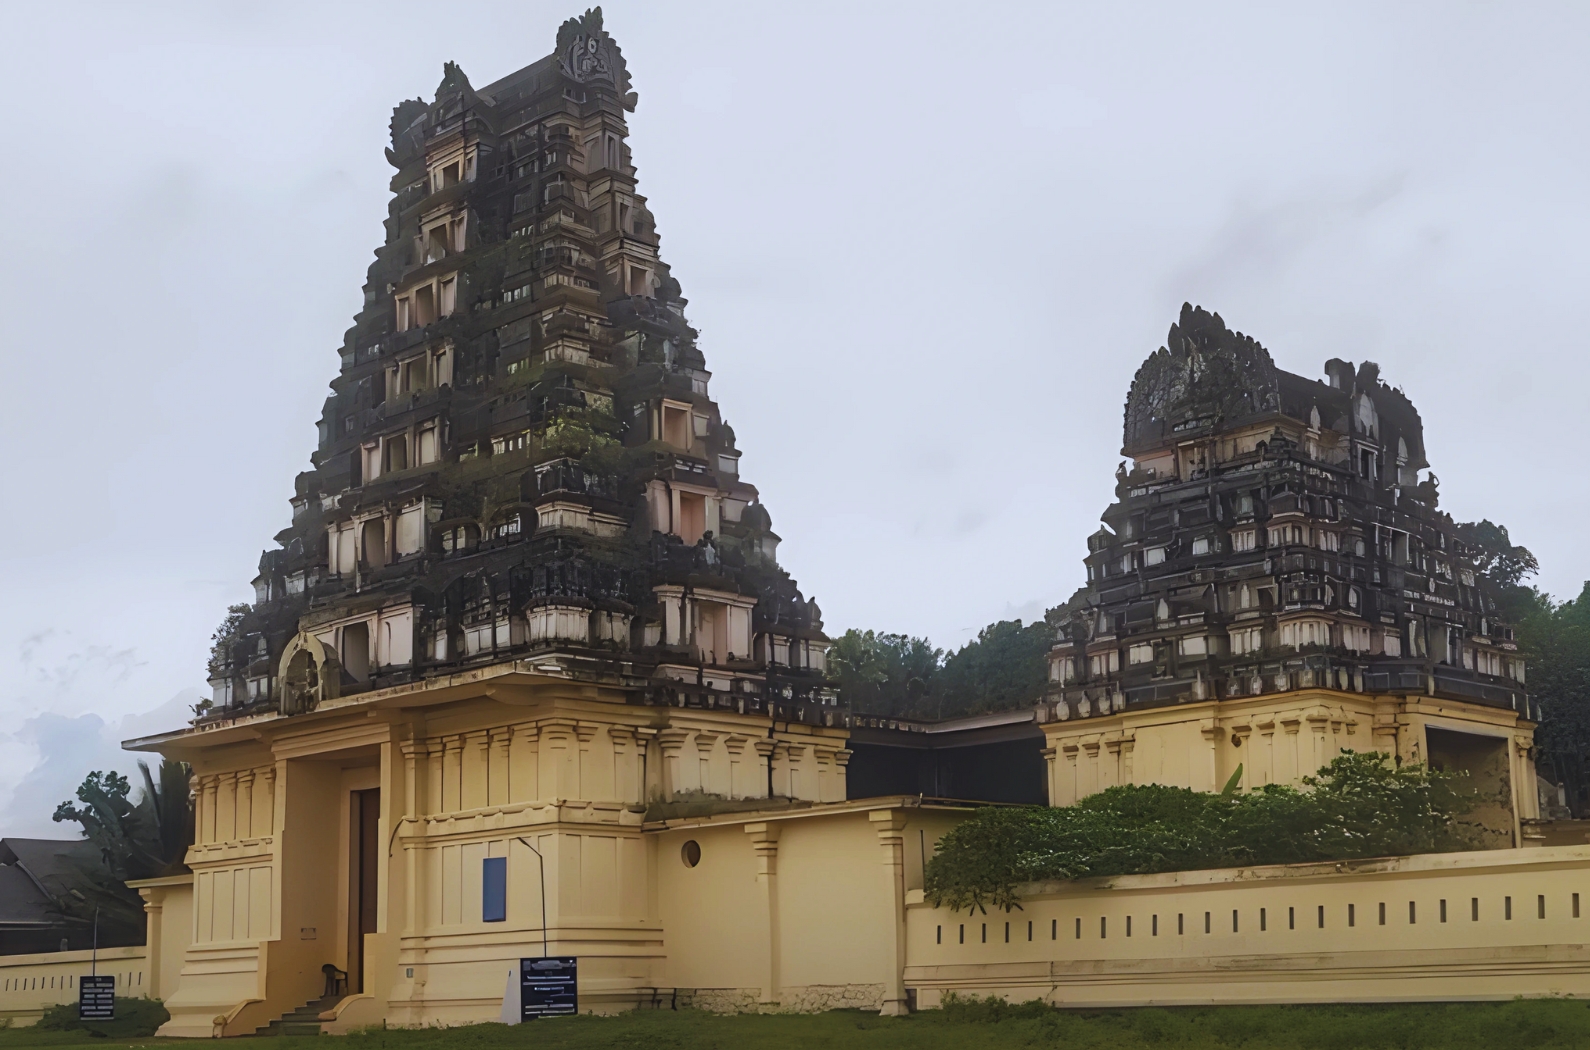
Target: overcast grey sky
<point x="927" y="246"/>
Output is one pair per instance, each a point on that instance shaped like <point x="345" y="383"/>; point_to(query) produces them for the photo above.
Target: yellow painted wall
<point x="1516" y="922"/>
<point x="824" y="943"/>
<point x="464" y="775"/>
<point x="798" y="905"/>
<point x="716" y="925"/>
<point x="1273" y="739"/>
<point x="31" y="983"/>
<point x="168" y="910"/>
<point x="1265" y="941"/>
<point x="835" y="912"/>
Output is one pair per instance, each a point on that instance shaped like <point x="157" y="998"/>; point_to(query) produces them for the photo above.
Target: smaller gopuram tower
<point x="1274" y="584"/>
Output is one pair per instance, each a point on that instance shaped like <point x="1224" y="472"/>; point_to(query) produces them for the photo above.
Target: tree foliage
<point x="1495" y="555"/>
<point x="1554" y="638"/>
<point x="225" y="634"/>
<point x="900" y="676"/>
<point x="140" y="839"/>
<point x="1004" y="668"/>
<point x="888" y="674"/>
<point x="1360" y="805"/>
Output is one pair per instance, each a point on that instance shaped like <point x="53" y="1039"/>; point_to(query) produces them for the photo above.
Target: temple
<point x="1275" y="583"/>
<point x="523" y="676"/>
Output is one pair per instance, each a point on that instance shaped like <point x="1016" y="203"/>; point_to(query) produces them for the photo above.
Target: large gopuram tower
<point x="1275" y="584"/>
<point x="520" y="458"/>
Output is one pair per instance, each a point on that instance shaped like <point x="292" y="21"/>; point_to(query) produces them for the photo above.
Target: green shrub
<point x="1360" y="805"/>
<point x="134" y="1018"/>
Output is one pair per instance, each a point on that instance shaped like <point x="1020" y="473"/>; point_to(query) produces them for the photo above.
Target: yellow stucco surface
<point x="801" y="899"/>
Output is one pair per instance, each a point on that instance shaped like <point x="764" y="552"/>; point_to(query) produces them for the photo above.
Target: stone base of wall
<point x="815" y="998"/>
<point x="721" y="1000"/>
<point x="806" y="999"/>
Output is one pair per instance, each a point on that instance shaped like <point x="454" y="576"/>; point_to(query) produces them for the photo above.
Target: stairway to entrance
<point x="303" y="1021"/>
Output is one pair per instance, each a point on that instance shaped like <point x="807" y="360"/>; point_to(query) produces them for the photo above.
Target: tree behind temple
<point x="1002" y="669"/>
<point x="134" y="840"/>
<point x="1555" y="641"/>
<point x="884" y="674"/>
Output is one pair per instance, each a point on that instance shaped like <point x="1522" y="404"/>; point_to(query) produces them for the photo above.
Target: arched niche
<point x="309" y="673"/>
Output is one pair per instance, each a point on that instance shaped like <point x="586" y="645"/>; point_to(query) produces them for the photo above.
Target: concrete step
<point x="303" y="1021"/>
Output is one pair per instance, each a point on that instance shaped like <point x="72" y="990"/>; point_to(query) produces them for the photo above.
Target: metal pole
<point x="93" y="963"/>
<point x="542" y="862"/>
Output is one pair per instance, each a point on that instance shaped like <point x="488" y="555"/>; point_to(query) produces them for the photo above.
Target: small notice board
<point x="96" y="998"/>
<point x="548" y="987"/>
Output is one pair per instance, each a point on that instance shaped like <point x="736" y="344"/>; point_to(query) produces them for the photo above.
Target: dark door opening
<point x="364" y="823"/>
<point x="1485" y="761"/>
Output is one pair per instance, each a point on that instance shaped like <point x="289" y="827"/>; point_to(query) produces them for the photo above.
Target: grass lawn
<point x="980" y="1026"/>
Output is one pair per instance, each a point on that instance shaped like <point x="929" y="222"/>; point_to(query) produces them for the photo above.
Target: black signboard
<point x="547" y="987"/>
<point x="96" y="998"/>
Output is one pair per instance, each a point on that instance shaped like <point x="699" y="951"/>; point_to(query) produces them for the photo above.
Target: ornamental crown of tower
<point x="1273" y="533"/>
<point x="520" y="458"/>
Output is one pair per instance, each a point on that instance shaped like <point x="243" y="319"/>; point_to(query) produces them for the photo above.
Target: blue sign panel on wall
<point x="547" y="987"/>
<point x="494" y="889"/>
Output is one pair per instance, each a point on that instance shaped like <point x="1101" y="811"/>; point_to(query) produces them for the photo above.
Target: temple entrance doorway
<point x="1484" y="762"/>
<point x="364" y="865"/>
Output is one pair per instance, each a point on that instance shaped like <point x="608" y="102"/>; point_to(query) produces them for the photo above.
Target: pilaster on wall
<point x="764" y="764"/>
<point x="431" y="796"/>
<point x="672" y="743"/>
<point x="792" y="776"/>
<point x="1526" y="796"/>
<point x="734" y="744"/>
<point x="645" y="773"/>
<point x="154" y="935"/>
<point x="245" y="804"/>
<point x="524" y="763"/>
<point x="452" y="773"/>
<point x="415" y="759"/>
<point x="890" y="826"/>
<point x="626" y="770"/>
<point x="764" y="842"/>
<point x="473" y="781"/>
<point x="497" y="769"/>
<point x="1383" y="732"/>
<point x="207" y="794"/>
<point x="584" y="769"/>
<point x="704" y="743"/>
